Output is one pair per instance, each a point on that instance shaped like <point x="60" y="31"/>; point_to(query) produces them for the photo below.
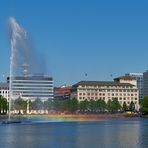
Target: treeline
<point x="73" y="106"/>
<point x="144" y="105"/>
<point x="3" y="105"/>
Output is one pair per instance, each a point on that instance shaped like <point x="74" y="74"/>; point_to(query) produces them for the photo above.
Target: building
<point x="62" y="92"/>
<point x="139" y="78"/>
<point x="4" y="90"/>
<point x="145" y="83"/>
<point x="122" y="88"/>
<point x="32" y="87"/>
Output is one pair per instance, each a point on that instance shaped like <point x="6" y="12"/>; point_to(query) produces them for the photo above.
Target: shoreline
<point x="72" y="117"/>
<point x="78" y="117"/>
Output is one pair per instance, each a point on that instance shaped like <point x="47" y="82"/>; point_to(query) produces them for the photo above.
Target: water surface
<point x="127" y="133"/>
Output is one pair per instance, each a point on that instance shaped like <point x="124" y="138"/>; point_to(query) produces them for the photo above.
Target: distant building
<point x="122" y="88"/>
<point x="32" y="87"/>
<point x="145" y="83"/>
<point x="62" y="92"/>
<point x="4" y="90"/>
<point x="139" y="78"/>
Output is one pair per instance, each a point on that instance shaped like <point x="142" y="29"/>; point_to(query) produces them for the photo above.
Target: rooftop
<point x="102" y="83"/>
<point x="126" y="77"/>
<point x="4" y="84"/>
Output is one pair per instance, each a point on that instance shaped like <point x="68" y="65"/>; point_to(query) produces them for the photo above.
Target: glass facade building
<point x="32" y="87"/>
<point x="139" y="79"/>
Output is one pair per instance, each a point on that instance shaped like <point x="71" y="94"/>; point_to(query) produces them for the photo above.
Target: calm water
<point x="129" y="133"/>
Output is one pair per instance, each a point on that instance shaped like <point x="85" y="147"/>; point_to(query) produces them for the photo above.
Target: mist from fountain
<point x="23" y="58"/>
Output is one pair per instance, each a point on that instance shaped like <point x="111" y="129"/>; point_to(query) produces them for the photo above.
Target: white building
<point x="122" y="88"/>
<point x="32" y="87"/>
<point x="4" y="90"/>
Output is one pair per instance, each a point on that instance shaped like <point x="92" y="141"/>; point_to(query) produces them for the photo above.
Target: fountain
<point x="25" y="66"/>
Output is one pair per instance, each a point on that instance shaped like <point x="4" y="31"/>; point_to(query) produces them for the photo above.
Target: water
<point x="129" y="133"/>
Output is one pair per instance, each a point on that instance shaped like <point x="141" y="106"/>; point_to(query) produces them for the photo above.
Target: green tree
<point x="92" y="106"/>
<point x="102" y="105"/>
<point x="144" y="105"/>
<point x="109" y="105"/>
<point x="73" y="104"/>
<point x="83" y="106"/>
<point x="37" y="104"/>
<point x="115" y="105"/>
<point x="132" y="106"/>
<point x="48" y="104"/>
<point x="124" y="107"/>
<point x="3" y="105"/>
<point x="20" y="104"/>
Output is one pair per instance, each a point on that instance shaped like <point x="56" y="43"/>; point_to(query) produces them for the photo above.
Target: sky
<point x="102" y="38"/>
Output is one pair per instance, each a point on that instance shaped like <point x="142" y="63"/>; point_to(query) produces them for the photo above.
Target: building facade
<point x="145" y="83"/>
<point x="4" y="90"/>
<point x="139" y="79"/>
<point x="32" y="87"/>
<point x="106" y="90"/>
<point x="62" y="92"/>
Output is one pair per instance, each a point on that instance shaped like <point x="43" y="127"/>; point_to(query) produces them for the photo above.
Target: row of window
<point x="103" y="98"/>
<point x="103" y="94"/>
<point x="105" y="86"/>
<point x="110" y="90"/>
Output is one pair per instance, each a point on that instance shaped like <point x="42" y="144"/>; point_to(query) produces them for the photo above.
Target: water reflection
<point x="104" y="134"/>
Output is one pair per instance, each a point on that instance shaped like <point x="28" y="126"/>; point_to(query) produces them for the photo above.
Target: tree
<point x="144" y="105"/>
<point x="20" y="104"/>
<point x="115" y="105"/>
<point x="3" y="105"/>
<point x="37" y="104"/>
<point x="48" y="104"/>
<point x="124" y="107"/>
<point x="83" y="106"/>
<point x="132" y="106"/>
<point x="92" y="106"/>
<point x="109" y="105"/>
<point x="102" y="105"/>
<point x="73" y="104"/>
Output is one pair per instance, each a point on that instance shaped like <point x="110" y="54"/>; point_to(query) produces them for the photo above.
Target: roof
<point x="126" y="77"/>
<point x="102" y="83"/>
<point x="4" y="84"/>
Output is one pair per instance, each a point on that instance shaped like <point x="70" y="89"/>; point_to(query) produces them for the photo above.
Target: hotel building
<point x="123" y="88"/>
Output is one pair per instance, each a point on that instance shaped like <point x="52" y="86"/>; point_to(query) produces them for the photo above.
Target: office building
<point x="122" y="88"/>
<point x="62" y="92"/>
<point x="145" y="83"/>
<point x="4" y="90"/>
<point x="139" y="79"/>
<point x="32" y="87"/>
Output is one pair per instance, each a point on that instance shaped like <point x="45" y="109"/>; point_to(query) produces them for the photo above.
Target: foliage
<point x="144" y="105"/>
<point x="113" y="105"/>
<point x="83" y="106"/>
<point x="20" y="104"/>
<point x="132" y="106"/>
<point x="37" y="104"/>
<point x="3" y="105"/>
<point x="124" y="107"/>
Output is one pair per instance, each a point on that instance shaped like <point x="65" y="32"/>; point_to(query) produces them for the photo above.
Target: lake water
<point x="127" y="133"/>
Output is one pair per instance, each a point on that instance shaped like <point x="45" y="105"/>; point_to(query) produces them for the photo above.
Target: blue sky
<point x="100" y="38"/>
